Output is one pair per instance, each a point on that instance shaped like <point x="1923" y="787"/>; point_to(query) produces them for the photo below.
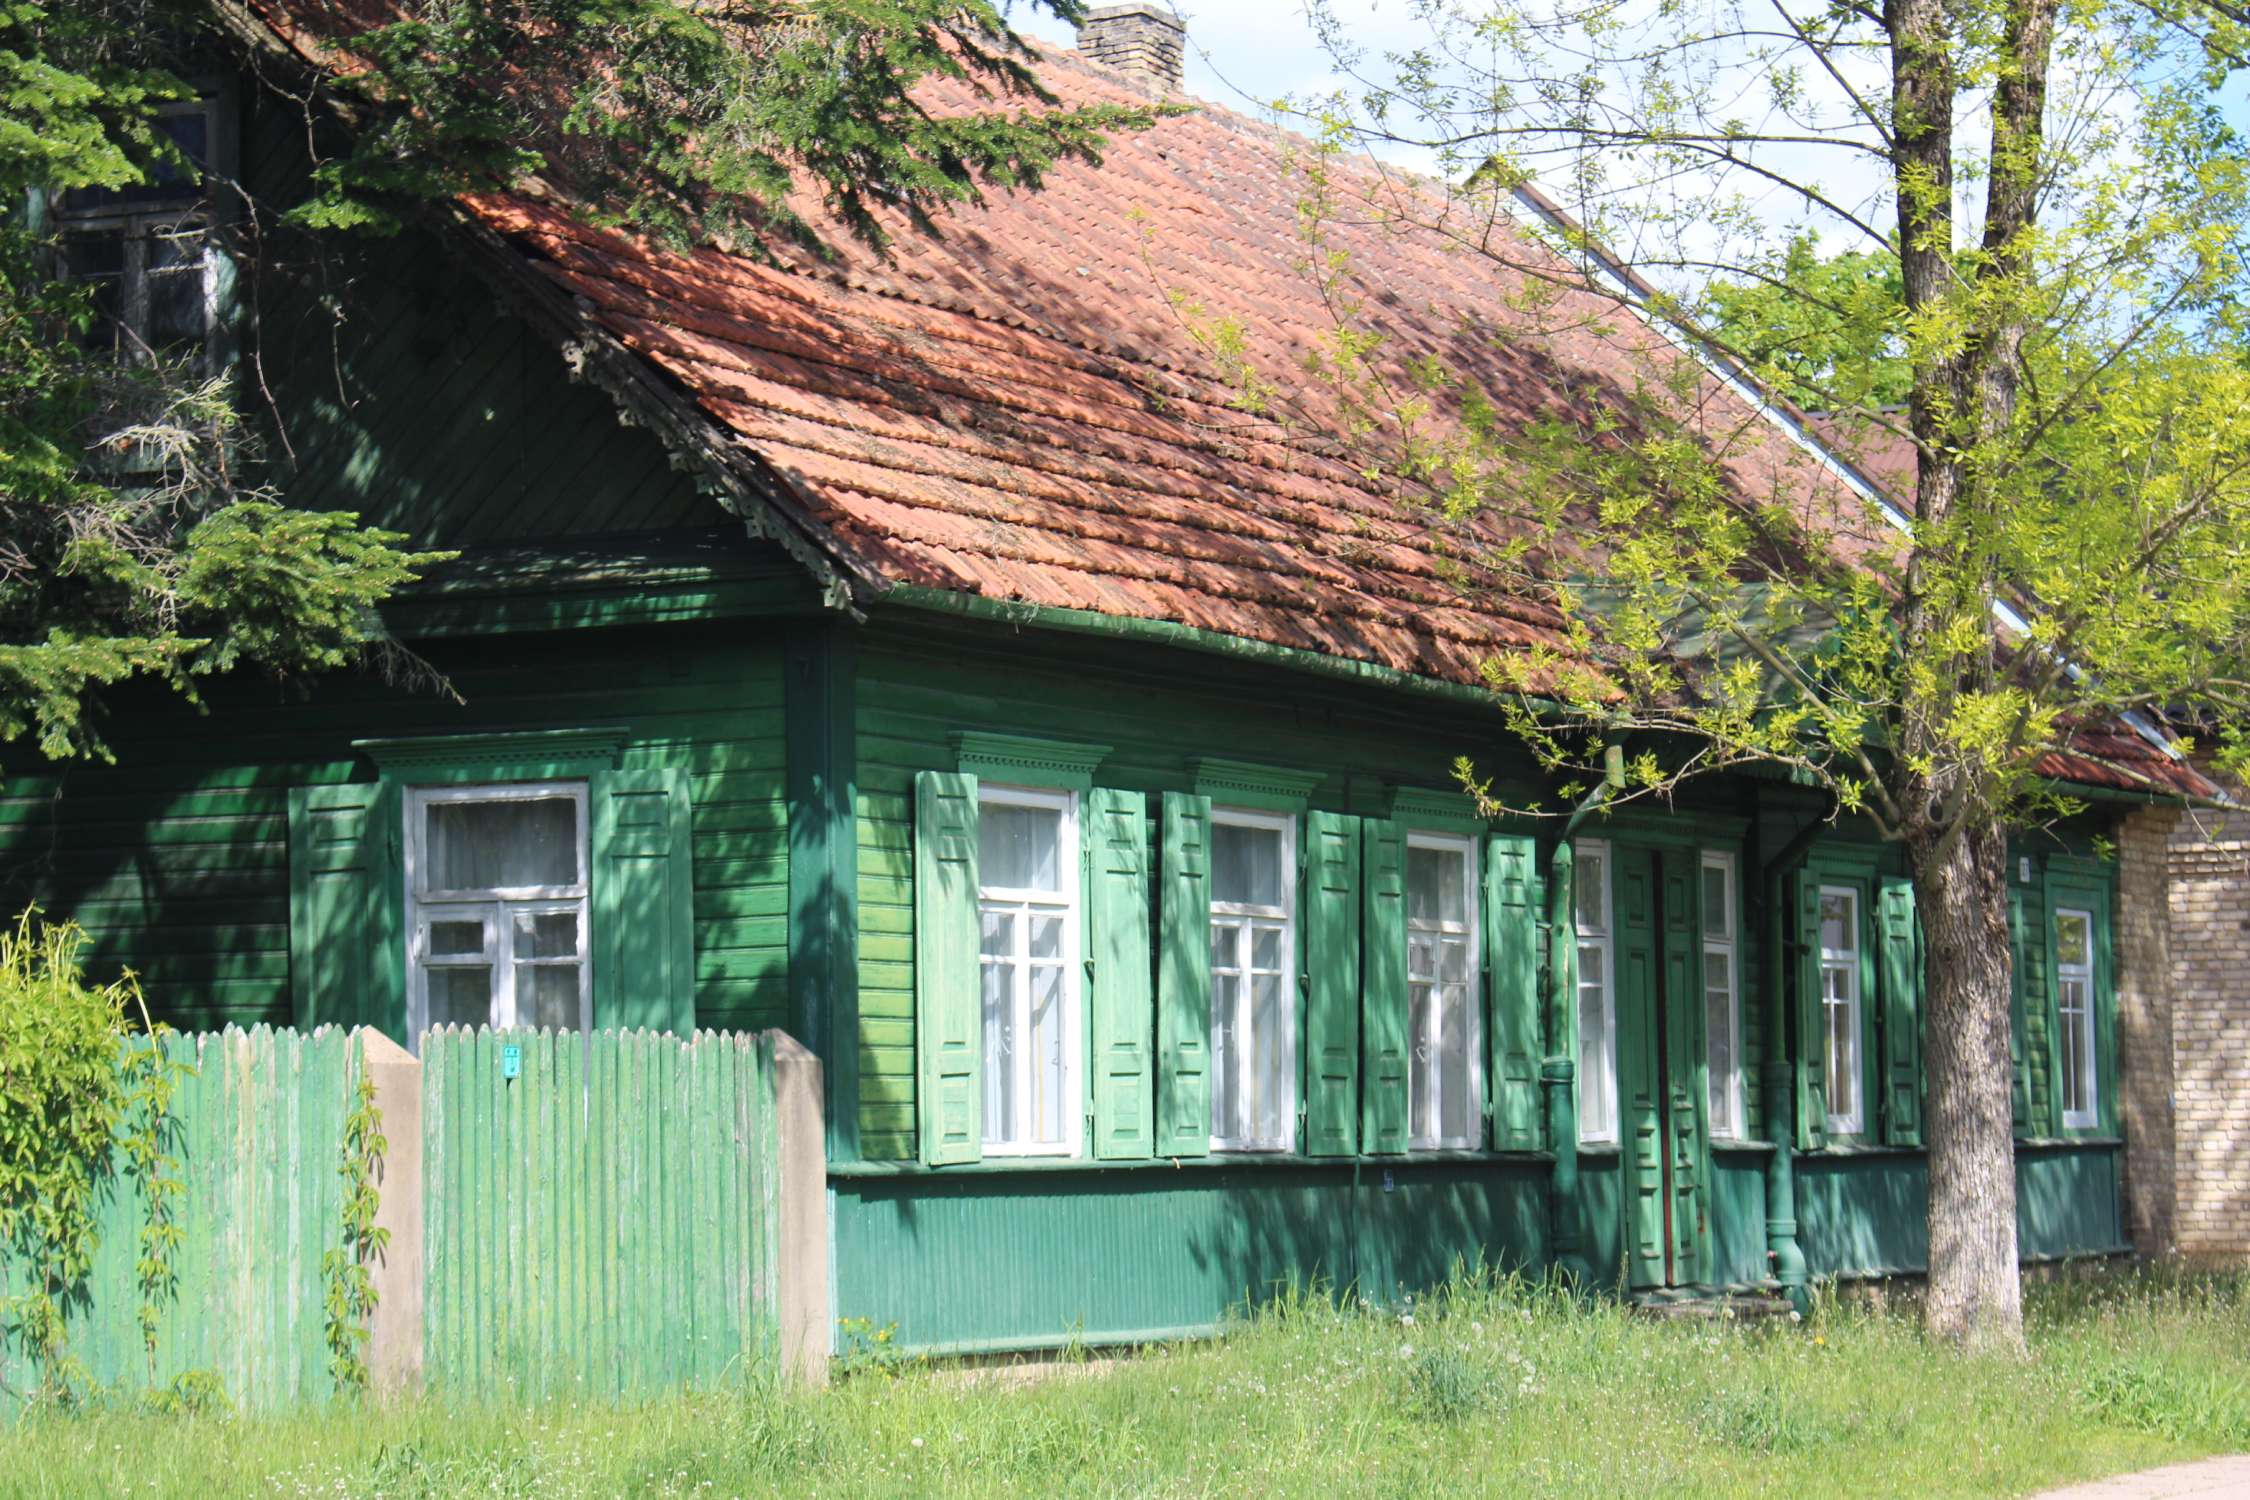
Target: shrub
<point x="85" y="1095"/>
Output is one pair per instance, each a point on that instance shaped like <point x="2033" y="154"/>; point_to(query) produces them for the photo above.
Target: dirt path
<point x="2206" y="1479"/>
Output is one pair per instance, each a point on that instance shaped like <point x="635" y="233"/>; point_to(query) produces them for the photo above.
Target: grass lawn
<point x="1485" y="1389"/>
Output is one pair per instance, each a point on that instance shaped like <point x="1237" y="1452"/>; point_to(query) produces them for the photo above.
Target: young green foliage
<point x="2032" y="331"/>
<point x="85" y="1100"/>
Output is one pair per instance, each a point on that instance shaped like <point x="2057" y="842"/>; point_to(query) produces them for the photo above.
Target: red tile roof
<point x="1014" y="410"/>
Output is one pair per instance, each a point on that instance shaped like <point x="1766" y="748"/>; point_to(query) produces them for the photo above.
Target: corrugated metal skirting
<point x="604" y="1222"/>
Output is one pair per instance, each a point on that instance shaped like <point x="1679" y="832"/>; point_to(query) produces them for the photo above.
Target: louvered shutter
<point x="1183" y="980"/>
<point x="1332" y="943"/>
<point x="2019" y="1050"/>
<point x="1511" y="945"/>
<point x="1902" y="1015"/>
<point x="948" y="992"/>
<point x="642" y="899"/>
<point x="1124" y="1017"/>
<point x="1812" y="1035"/>
<point x="347" y="893"/>
<point x="1384" y="1021"/>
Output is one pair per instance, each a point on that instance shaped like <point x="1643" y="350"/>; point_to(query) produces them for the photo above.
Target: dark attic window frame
<point x="118" y="233"/>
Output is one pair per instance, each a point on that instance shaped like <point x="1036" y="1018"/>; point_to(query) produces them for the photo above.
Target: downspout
<point x="1783" y="1253"/>
<point x="1557" y="1074"/>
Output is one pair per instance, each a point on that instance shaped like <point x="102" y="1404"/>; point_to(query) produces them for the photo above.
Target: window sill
<point x="1218" y="1162"/>
<point x="2069" y="1139"/>
<point x="1743" y="1147"/>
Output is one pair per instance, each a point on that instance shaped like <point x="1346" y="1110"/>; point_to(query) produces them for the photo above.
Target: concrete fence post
<point x="803" y="1262"/>
<point x="394" y="1353"/>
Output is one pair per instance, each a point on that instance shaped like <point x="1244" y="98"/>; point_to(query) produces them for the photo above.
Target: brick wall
<point x="2210" y="1023"/>
<point x="2145" y="1057"/>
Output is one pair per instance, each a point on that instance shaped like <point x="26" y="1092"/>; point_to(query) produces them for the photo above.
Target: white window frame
<point x="1425" y="1065"/>
<point x="1247" y="918"/>
<point x="1592" y="1130"/>
<point x="1020" y="902"/>
<point x="2088" y="1080"/>
<point x="1728" y="1124"/>
<point x="1849" y="963"/>
<point x="490" y="907"/>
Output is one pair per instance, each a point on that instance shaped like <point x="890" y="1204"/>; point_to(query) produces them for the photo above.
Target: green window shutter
<point x="1812" y="1043"/>
<point x="2019" y="1047"/>
<point x="643" y="901"/>
<point x="1511" y="945"/>
<point x="1124" y="1008"/>
<point x="347" y="898"/>
<point x="1902" y="1015"/>
<point x="948" y="990"/>
<point x="1183" y="979"/>
<point x="1384" y="1021"/>
<point x="1332" y="984"/>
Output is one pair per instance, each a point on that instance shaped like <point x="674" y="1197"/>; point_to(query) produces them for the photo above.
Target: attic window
<point x="147" y="249"/>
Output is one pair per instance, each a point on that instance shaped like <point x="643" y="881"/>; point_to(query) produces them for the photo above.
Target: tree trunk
<point x="1961" y="890"/>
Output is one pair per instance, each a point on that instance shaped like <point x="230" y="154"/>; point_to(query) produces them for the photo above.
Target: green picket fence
<point x="600" y="1211"/>
<point x="257" y="1126"/>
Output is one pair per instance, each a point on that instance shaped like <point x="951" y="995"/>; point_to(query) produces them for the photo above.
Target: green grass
<point x="1483" y="1389"/>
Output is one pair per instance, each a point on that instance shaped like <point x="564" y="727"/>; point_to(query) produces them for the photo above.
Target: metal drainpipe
<point x="1558" y="1073"/>
<point x="1782" y="1251"/>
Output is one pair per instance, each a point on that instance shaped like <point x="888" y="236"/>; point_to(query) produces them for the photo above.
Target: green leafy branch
<point x="350" y="1299"/>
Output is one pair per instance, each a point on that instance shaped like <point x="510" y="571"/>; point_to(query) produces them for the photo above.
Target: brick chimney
<point x="1141" y="39"/>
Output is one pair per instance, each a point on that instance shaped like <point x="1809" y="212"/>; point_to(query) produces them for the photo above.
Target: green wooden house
<point x="926" y="656"/>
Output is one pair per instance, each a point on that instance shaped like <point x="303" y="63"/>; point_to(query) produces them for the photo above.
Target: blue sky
<point x="1246" y="53"/>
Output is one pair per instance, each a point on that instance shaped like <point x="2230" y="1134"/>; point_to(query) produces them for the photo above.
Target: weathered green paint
<point x="604" y="1225"/>
<point x="177" y="860"/>
<point x="1866" y="1212"/>
<point x="258" y="1126"/>
<point x="1122" y="1001"/>
<point x="1738" y="1217"/>
<point x="401" y="388"/>
<point x="1384" y="1027"/>
<point x="1511" y="945"/>
<point x="1332" y="969"/>
<point x="1900" y="955"/>
<point x="948" y="988"/>
<point x="824" y="868"/>
<point x="1183" y="978"/>
<point x="347" y="959"/>
<point x="642" y="900"/>
<point x="969" y="1260"/>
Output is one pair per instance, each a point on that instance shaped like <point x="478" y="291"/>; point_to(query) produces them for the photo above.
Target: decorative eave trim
<point x="1017" y="757"/>
<point x="1447" y="812"/>
<point x="519" y="755"/>
<point x="1244" y="783"/>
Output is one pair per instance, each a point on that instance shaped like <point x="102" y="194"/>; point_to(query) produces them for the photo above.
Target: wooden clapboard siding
<point x="1155" y="707"/>
<point x="176" y="860"/>
<point x="401" y="389"/>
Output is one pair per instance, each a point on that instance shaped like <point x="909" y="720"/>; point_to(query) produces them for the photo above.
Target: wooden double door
<point x="1662" y="1066"/>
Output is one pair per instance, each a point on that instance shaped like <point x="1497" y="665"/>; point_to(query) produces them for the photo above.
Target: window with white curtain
<point x="1597" y="995"/>
<point x="1722" y="1012"/>
<point x="2074" y="998"/>
<point x="1444" y="1077"/>
<point x="1027" y="907"/>
<point x="1840" y="1002"/>
<point x="1253" y="956"/>
<point x="497" y="915"/>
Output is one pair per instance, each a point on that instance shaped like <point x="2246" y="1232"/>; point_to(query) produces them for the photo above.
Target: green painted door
<point x="1660" y="1067"/>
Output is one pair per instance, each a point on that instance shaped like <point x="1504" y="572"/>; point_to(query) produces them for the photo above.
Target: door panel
<point x="1686" y="1060"/>
<point x="1640" y="1093"/>
<point x="1661" y="1062"/>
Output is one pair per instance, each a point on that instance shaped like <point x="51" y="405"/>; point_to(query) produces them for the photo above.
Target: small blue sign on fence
<point x="511" y="1061"/>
